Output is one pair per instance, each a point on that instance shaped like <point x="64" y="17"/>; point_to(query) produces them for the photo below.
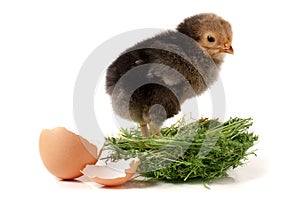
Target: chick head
<point x="213" y="33"/>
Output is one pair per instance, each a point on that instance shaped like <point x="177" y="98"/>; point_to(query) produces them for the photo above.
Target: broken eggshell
<point x="111" y="175"/>
<point x="65" y="153"/>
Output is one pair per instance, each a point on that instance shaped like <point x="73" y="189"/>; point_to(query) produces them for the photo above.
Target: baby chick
<point x="149" y="81"/>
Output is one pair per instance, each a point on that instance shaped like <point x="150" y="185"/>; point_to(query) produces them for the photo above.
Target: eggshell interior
<point x="104" y="172"/>
<point x="108" y="176"/>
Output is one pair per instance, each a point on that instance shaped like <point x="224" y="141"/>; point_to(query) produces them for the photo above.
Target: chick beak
<point x="227" y="48"/>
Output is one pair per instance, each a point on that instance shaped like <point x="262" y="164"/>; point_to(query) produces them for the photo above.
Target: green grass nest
<point x="205" y="149"/>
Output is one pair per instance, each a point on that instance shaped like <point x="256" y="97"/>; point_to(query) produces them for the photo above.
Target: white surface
<point x="43" y="45"/>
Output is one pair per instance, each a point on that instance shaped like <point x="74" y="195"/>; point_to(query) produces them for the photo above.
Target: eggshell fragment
<point x="64" y="153"/>
<point x="109" y="176"/>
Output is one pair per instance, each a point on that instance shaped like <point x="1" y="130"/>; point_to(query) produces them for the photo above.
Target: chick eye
<point x="210" y="38"/>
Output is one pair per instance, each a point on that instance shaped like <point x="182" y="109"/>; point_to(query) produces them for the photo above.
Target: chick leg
<point x="152" y="126"/>
<point x="154" y="129"/>
<point x="144" y="130"/>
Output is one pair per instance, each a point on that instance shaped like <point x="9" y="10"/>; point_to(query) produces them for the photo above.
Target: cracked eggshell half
<point x="65" y="153"/>
<point x="109" y="175"/>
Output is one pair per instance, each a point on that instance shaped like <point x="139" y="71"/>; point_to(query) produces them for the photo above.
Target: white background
<point x="44" y="44"/>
